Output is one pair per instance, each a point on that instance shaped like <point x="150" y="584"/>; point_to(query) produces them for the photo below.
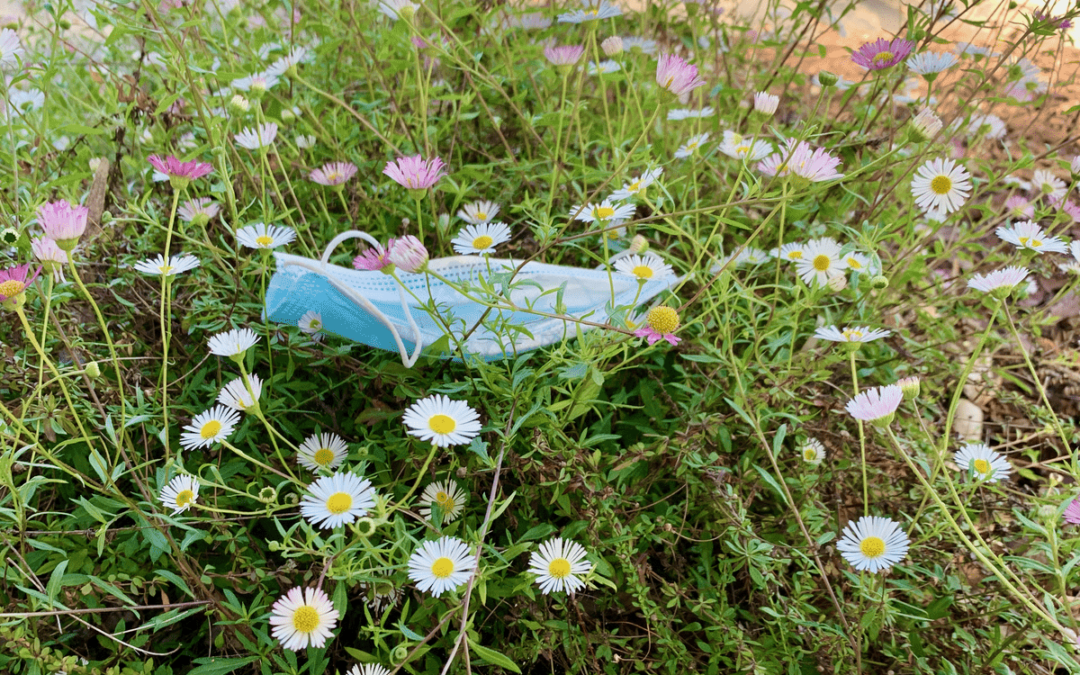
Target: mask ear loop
<point x="358" y="299"/>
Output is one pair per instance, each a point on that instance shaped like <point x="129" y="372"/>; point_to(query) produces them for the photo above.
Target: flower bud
<point x="239" y="105"/>
<point x="612" y="46"/>
<point x="400" y="653"/>
<point x="93" y="370"/>
<point x="910" y="387"/>
<point x="879" y="282"/>
<point x="765" y="103"/>
<point x="365" y="527"/>
<point x="268" y="495"/>
<point x="837" y="283"/>
<point x="409" y="254"/>
<point x="827" y="79"/>
<point x="638" y="245"/>
<point x="9" y="236"/>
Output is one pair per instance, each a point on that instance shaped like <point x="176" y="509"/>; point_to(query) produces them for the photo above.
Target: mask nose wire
<point x="365" y="304"/>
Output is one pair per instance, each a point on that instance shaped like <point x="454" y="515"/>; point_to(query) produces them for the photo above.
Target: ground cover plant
<point x="641" y="341"/>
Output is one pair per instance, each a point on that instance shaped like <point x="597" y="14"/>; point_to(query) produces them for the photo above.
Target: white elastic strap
<point x="358" y="299"/>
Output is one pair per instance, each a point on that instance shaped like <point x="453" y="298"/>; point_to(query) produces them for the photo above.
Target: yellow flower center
<point x="822" y="262"/>
<point x="643" y="272"/>
<point x="339" y="503"/>
<point x="445" y="501"/>
<point x="305" y="619"/>
<point x="11" y="287"/>
<point x="982" y="466"/>
<point x="559" y="568"/>
<point x="809" y="454"/>
<point x="854" y="264"/>
<point x="482" y="242"/>
<point x="323" y="456"/>
<point x="663" y="319"/>
<point x="480" y="215"/>
<point x="634" y="187"/>
<point x="795" y="255"/>
<point x="442" y="424"/>
<point x="185" y="497"/>
<point x="603" y="212"/>
<point x="333" y="177"/>
<point x="442" y="567"/>
<point x="692" y="145"/>
<point x="210" y="429"/>
<point x="671" y="78"/>
<point x="941" y="185"/>
<point x="742" y="149"/>
<point x="852" y="334"/>
<point x="264" y="240"/>
<point x="165" y="269"/>
<point x="316" y="324"/>
<point x="592" y="12"/>
<point x="872" y="547"/>
<point x="883" y="57"/>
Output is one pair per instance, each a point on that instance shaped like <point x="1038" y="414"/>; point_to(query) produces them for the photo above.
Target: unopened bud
<point x="879" y="282"/>
<point x="837" y="283"/>
<point x="93" y="370"/>
<point x="239" y="105"/>
<point x="827" y="79"/>
<point x="9" y="236"/>
<point x="910" y="386"/>
<point x="639" y="244"/>
<point x="400" y="653"/>
<point x="612" y="46"/>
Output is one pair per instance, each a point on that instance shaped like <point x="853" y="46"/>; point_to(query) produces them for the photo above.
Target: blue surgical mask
<point x="372" y="308"/>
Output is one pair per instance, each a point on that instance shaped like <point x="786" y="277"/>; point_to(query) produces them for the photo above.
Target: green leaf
<point x="55" y="580"/>
<point x="493" y="657"/>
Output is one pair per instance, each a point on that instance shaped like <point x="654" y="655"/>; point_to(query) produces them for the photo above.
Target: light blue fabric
<point x="340" y="294"/>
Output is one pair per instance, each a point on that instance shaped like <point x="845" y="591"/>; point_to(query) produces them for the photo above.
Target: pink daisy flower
<point x="676" y="75"/>
<point x="179" y="173"/>
<point x="1019" y="206"/>
<point x="63" y="222"/>
<point x="565" y="55"/>
<point x="414" y="173"/>
<point x="334" y="173"/>
<point x="375" y="258"/>
<point x="13" y="282"/>
<point x="1072" y="512"/>
<point x="876" y="405"/>
<point x="201" y="210"/>
<point x="799" y="158"/>
<point x="51" y="256"/>
<point x="409" y="254"/>
<point x="882" y="53"/>
<point x="661" y="322"/>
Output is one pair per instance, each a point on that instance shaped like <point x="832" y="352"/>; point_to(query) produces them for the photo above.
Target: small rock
<point x="969" y="421"/>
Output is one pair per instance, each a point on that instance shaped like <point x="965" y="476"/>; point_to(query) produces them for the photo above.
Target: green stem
<point x="862" y="437"/>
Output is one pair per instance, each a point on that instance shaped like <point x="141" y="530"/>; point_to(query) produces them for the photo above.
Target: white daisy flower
<point x="441" y="565"/>
<point x="792" y="251"/>
<point x="982" y="462"/>
<point x="479" y="212"/>
<point x="295" y="57"/>
<point x="1048" y="185"/>
<point x="442" y="421"/>
<point x="559" y="565"/>
<point x="636" y="187"/>
<point x="212" y="426"/>
<point x="181" y="492"/>
<point x="644" y="267"/>
<point x="261" y="235"/>
<point x="942" y="185"/>
<point x="999" y="282"/>
<point x="990" y="126"/>
<point x="857" y="262"/>
<point x="337" y="500"/>
<point x="369" y="669"/>
<point x="594" y="11"/>
<point x="303" y="617"/>
<point x="235" y="394"/>
<point x="305" y="142"/>
<point x="604" y="67"/>
<point x="822" y="261"/>
<point x="311" y="324"/>
<point x="481" y="239"/>
<point x="258" y="137"/>
<point x="748" y="255"/>
<point x="692" y="145"/>
<point x="603" y="213"/>
<point x="857" y="334"/>
<point x="322" y="451"/>
<point x="930" y="63"/>
<point x="380" y="594"/>
<point x="690" y="114"/>
<point x="632" y="42"/>
<point x="232" y="342"/>
<point x="448" y="495"/>
<point x="812" y="451"/>
<point x="177" y="264"/>
<point x="1027" y="234"/>
<point x="10" y="48"/>
<point x="258" y="82"/>
<point x="873" y="544"/>
<point x="740" y="147"/>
